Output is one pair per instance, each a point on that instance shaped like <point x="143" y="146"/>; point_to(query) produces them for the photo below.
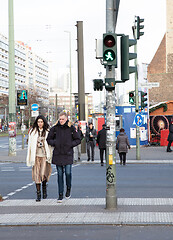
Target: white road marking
<point x="28" y="185"/>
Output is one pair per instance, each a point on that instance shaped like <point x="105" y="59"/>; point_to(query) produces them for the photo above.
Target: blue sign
<point x="34" y="107"/>
<point x="138" y="120"/>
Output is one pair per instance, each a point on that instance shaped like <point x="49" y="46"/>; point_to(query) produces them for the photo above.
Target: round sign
<point x="138" y="120"/>
<point x="34" y="107"/>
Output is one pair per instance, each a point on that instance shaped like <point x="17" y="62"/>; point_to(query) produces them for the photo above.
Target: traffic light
<point x="132" y="97"/>
<point x="110" y="49"/>
<point x="110" y="84"/>
<point x="143" y="100"/>
<point x="126" y="57"/>
<point x="98" y="84"/>
<point x="139" y="26"/>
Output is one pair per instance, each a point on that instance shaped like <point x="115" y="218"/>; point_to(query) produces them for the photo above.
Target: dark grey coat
<point x="94" y="133"/>
<point x="170" y="136"/>
<point x="101" y="138"/>
<point x="122" y="143"/>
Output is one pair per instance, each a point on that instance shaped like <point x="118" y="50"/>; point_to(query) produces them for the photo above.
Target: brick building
<point x="161" y="67"/>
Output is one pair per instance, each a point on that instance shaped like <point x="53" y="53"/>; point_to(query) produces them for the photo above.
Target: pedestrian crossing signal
<point x="131" y="98"/>
<point x="110" y="49"/>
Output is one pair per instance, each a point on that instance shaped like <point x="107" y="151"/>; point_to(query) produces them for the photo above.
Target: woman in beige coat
<point x="39" y="155"/>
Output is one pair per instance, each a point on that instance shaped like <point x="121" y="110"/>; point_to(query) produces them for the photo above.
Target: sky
<point x="42" y="24"/>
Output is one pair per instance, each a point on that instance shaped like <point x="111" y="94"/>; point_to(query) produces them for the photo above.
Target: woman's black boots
<point x="38" y="192"/>
<point x="44" y="188"/>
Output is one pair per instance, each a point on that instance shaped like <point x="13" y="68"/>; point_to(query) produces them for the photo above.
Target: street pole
<point x="56" y="106"/>
<point x="12" y="105"/>
<point x="71" y="114"/>
<point x="22" y="128"/>
<point x="138" y="156"/>
<point x="81" y="82"/>
<point x="111" y="199"/>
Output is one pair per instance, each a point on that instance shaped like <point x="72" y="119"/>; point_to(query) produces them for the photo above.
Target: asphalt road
<point x="87" y="233"/>
<point x="133" y="180"/>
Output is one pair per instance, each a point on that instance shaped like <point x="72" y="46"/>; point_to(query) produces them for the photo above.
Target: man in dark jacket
<point x="101" y="140"/>
<point x="91" y="135"/>
<point x="170" y="136"/>
<point x="63" y="137"/>
<point x="77" y="149"/>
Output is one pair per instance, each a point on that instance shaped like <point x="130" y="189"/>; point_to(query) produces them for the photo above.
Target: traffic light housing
<point x="98" y="84"/>
<point x="132" y="98"/>
<point x="126" y="56"/>
<point x="143" y="100"/>
<point x="110" y="84"/>
<point x="110" y="49"/>
<point x="139" y="27"/>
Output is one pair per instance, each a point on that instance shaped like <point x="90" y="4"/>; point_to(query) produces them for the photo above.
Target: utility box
<point x="99" y="48"/>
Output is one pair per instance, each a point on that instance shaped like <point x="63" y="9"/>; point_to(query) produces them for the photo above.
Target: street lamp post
<point x="70" y="74"/>
<point x="12" y="105"/>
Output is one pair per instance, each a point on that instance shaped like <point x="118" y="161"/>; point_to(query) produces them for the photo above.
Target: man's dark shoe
<point x="102" y="164"/>
<point x="88" y="159"/>
<point x="78" y="159"/>
<point x="60" y="198"/>
<point x="169" y="150"/>
<point x="67" y="195"/>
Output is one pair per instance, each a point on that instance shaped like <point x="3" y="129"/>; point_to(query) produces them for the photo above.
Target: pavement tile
<point x="87" y="215"/>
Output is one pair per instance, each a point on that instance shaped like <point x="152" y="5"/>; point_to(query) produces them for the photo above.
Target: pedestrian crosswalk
<point x="12" y="169"/>
<point x="131" y="211"/>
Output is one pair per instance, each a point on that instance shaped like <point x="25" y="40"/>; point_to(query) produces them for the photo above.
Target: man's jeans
<point x="60" y="177"/>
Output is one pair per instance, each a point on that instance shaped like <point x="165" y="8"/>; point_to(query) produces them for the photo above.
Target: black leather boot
<point x="38" y="192"/>
<point x="44" y="188"/>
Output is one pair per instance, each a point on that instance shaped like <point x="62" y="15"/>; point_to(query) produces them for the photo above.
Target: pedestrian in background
<point x="122" y="145"/>
<point x="91" y="135"/>
<point x="63" y="137"/>
<point x="101" y="140"/>
<point x="77" y="149"/>
<point x="170" y="136"/>
<point x="39" y="155"/>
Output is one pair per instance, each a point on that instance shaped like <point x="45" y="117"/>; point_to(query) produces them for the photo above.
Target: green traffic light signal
<point x="139" y="26"/>
<point x="126" y="56"/>
<point x="110" y="49"/>
<point x="132" y="98"/>
<point x="143" y="100"/>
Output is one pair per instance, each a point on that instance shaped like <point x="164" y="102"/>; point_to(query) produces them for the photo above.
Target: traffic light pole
<point x="111" y="199"/>
<point x="12" y="102"/>
<point x="138" y="156"/>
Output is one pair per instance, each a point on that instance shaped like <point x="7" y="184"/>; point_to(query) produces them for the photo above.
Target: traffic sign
<point x="150" y="84"/>
<point x="138" y="120"/>
<point x="34" y="113"/>
<point x="34" y="107"/>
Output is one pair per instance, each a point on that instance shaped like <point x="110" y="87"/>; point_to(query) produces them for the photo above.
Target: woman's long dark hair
<point x="45" y="125"/>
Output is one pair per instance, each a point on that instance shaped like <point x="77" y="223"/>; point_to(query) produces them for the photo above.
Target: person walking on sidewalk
<point x="101" y="140"/>
<point x="122" y="145"/>
<point x="77" y="149"/>
<point x="63" y="137"/>
<point x="91" y="135"/>
<point x="170" y="136"/>
<point x="39" y="155"/>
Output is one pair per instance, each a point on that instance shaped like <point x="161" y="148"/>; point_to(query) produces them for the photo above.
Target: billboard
<point x="22" y="97"/>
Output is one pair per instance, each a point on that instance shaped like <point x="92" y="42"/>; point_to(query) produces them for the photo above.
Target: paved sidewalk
<point x="148" y="155"/>
<point x="130" y="211"/>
